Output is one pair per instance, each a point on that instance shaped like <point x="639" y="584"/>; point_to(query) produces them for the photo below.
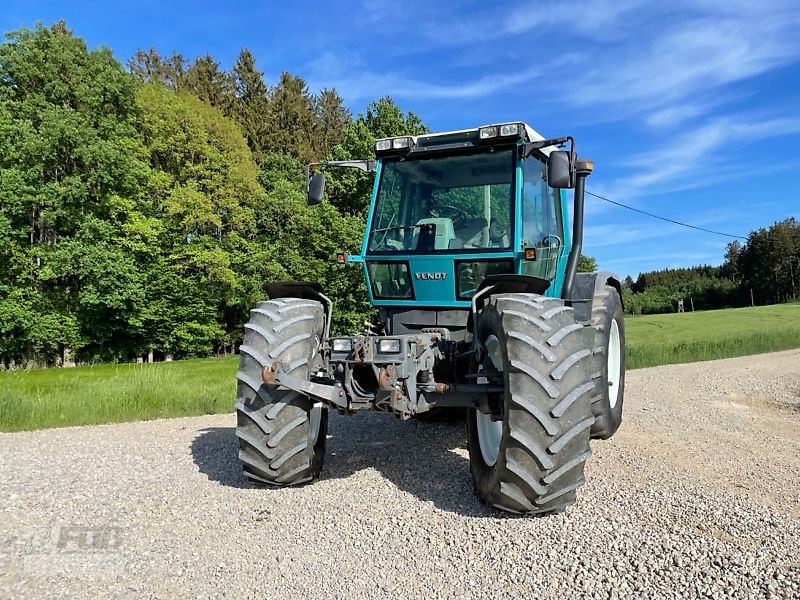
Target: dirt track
<point x="698" y="494"/>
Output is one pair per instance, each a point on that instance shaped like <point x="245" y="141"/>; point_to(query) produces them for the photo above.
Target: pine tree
<point x="251" y="108"/>
<point x="292" y="122"/>
<point x="332" y="119"/>
<point x="208" y="82"/>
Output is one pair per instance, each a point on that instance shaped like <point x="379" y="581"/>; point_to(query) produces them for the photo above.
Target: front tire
<point x="528" y="457"/>
<point x="281" y="432"/>
<point x="609" y="350"/>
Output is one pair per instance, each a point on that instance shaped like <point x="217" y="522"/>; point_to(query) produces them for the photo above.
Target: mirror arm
<point x="368" y="166"/>
<point x="529" y="147"/>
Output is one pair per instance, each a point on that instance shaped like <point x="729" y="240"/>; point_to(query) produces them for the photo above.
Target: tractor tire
<point x="529" y="459"/>
<point x="609" y="352"/>
<point x="281" y="432"/>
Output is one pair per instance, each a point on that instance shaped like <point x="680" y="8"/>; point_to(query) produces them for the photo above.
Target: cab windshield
<point x="451" y="204"/>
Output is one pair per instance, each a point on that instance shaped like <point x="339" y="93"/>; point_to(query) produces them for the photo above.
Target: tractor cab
<point x="450" y="209"/>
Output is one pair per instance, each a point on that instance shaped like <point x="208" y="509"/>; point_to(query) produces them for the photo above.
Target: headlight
<point x="509" y="129"/>
<point x="486" y="133"/>
<point x="342" y="345"/>
<point x="381" y="145"/>
<point x="388" y="346"/>
<point x="401" y="142"/>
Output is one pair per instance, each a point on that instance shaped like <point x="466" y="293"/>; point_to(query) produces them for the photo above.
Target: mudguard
<point x="586" y="284"/>
<point x="308" y="290"/>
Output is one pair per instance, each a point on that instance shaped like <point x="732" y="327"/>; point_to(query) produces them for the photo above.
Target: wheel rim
<point x="315" y="419"/>
<point x="614" y="358"/>
<point x="490" y="432"/>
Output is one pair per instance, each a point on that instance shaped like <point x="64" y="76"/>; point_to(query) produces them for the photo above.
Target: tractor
<point x="470" y="262"/>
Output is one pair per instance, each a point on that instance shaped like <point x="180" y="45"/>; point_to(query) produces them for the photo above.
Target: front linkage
<point x="393" y="373"/>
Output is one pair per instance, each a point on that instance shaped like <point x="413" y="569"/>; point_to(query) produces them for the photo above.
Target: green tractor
<point x="469" y="260"/>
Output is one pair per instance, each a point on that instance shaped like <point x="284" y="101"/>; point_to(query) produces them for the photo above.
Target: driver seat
<point x="444" y="233"/>
<point x="474" y="233"/>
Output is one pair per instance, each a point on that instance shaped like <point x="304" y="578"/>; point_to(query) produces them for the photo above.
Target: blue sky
<point x="690" y="109"/>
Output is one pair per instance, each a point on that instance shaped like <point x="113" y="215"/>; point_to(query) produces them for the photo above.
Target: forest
<point x="143" y="206"/>
<point x="765" y="269"/>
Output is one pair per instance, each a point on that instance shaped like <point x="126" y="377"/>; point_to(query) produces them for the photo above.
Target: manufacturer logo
<point x="430" y="276"/>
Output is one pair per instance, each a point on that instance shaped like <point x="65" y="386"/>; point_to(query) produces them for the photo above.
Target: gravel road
<point x="697" y="495"/>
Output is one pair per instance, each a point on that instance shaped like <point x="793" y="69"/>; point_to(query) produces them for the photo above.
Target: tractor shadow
<point x="425" y="459"/>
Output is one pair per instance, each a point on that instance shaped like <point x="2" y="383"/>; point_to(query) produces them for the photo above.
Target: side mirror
<point x="316" y="188"/>
<point x="560" y="171"/>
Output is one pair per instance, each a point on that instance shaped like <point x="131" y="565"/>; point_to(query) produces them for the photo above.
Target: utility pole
<point x="752" y="302"/>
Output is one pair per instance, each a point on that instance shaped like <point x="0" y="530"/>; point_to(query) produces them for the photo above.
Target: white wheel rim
<point x="614" y="358"/>
<point x="490" y="433"/>
<point x="315" y="419"/>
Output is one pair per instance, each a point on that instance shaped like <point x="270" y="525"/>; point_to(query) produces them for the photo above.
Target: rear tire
<point x="609" y="350"/>
<point x="541" y="431"/>
<point x="281" y="432"/>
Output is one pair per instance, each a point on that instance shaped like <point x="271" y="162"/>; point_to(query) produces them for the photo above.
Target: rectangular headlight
<point x="509" y="129"/>
<point x="486" y="133"/>
<point x="342" y="345"/>
<point x="401" y="142"/>
<point x="381" y="145"/>
<point x="388" y="346"/>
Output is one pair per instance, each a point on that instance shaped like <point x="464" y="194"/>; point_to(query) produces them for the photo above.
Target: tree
<point x="204" y="186"/>
<point x="332" y="119"/>
<point x="148" y="66"/>
<point x="587" y="264"/>
<point x="251" y="107"/>
<point x="304" y="241"/>
<point x="70" y="157"/>
<point x="292" y="119"/>
<point x="349" y="189"/>
<point x="207" y="81"/>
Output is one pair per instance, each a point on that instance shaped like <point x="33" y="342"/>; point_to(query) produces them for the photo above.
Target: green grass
<point x="689" y="337"/>
<point x="114" y="393"/>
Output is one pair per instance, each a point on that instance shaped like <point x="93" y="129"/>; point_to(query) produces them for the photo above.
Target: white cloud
<point x="594" y="18"/>
<point x="678" y="64"/>
<point x="699" y="158"/>
<point x="371" y="85"/>
<point x="353" y="80"/>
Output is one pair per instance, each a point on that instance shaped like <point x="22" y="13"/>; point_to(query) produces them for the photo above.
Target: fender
<point x="506" y="283"/>
<point x="587" y="285"/>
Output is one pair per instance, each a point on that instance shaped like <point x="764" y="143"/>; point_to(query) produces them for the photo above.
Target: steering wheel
<point x="552" y="236"/>
<point x="458" y="215"/>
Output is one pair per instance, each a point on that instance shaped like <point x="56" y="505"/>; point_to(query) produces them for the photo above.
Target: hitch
<point x="275" y="374"/>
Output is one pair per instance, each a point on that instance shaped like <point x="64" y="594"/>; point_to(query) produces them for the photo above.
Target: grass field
<point x="114" y="393"/>
<point x="680" y="338"/>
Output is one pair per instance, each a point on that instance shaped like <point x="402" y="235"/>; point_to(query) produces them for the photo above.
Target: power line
<point x="649" y="214"/>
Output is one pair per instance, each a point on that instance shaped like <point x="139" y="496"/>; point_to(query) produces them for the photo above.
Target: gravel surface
<point x="697" y="495"/>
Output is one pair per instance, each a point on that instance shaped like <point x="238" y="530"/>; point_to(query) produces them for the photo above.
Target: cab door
<point x="542" y="225"/>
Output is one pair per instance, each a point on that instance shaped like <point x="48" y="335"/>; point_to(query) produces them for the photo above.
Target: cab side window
<point x="541" y="206"/>
<point x="542" y="225"/>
